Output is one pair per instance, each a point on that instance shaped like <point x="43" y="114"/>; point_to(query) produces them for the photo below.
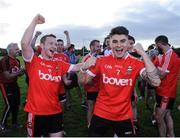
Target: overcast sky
<point x="92" y="19"/>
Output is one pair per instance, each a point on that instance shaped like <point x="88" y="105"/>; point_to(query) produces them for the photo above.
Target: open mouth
<point x="119" y="50"/>
<point x="52" y="51"/>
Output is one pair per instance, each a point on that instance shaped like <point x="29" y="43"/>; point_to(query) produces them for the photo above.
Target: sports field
<point x="75" y="117"/>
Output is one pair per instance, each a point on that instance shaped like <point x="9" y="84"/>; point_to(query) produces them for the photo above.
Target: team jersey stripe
<point x="70" y="68"/>
<point x="6" y="102"/>
<point x="141" y="71"/>
<point x="90" y="73"/>
<point x="167" y="60"/>
<point x="30" y="125"/>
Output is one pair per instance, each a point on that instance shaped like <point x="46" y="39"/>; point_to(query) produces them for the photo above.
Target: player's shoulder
<point x="86" y="57"/>
<point x="5" y="57"/>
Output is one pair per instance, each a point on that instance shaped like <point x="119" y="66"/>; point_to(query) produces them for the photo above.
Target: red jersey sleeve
<point x="66" y="67"/>
<point x="155" y="61"/>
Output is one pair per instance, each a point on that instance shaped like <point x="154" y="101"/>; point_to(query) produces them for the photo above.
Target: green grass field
<point x="75" y="117"/>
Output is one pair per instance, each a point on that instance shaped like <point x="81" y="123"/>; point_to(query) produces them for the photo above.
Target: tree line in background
<point x="83" y="51"/>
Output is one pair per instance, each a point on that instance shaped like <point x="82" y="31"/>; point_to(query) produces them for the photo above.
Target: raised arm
<point x="33" y="42"/>
<point x="68" y="40"/>
<point x="27" y="50"/>
<point x="150" y="74"/>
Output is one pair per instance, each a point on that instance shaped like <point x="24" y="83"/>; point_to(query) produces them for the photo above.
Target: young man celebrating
<point x="118" y="73"/>
<point x="45" y="74"/>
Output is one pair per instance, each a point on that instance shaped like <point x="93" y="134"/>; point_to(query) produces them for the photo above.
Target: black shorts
<point x="74" y="78"/>
<point x="99" y="126"/>
<point x="92" y="96"/>
<point x="132" y="96"/>
<point x="164" y="102"/>
<point x="42" y="125"/>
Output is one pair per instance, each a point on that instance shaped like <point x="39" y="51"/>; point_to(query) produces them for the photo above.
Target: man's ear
<point x="41" y="45"/>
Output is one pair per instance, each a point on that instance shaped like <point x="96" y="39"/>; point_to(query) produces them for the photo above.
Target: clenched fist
<point x="39" y="19"/>
<point x="38" y="33"/>
<point x="66" y="32"/>
<point x="138" y="48"/>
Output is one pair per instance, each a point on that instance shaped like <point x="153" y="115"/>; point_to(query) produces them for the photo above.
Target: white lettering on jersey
<point x="43" y="64"/>
<point x="49" y="77"/>
<point x="108" y="66"/>
<point x="115" y="81"/>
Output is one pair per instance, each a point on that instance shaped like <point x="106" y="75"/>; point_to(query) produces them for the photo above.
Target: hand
<point x="138" y="48"/>
<point x="90" y="62"/>
<point x="21" y="72"/>
<point x="38" y="33"/>
<point x="39" y="19"/>
<point x="66" y="32"/>
<point x="67" y="82"/>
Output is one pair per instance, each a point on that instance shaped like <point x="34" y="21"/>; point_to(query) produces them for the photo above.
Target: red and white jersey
<point x="117" y="81"/>
<point x="168" y="62"/>
<point x="61" y="57"/>
<point x="94" y="85"/>
<point x="43" y="90"/>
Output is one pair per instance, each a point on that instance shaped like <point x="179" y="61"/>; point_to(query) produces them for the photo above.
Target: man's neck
<point x="166" y="49"/>
<point x="43" y="56"/>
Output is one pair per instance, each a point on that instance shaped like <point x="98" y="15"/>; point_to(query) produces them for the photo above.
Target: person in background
<point x="60" y="56"/>
<point x="168" y="65"/>
<point x="70" y="52"/>
<point x="106" y="47"/>
<point x="10" y="71"/>
<point x="150" y="97"/>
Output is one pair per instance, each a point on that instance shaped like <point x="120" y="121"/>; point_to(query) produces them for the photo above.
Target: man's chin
<point x="119" y="56"/>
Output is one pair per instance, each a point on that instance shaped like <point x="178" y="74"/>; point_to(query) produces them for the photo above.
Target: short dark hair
<point x="131" y="38"/>
<point x="72" y="46"/>
<point x="93" y="42"/>
<point x="43" y="39"/>
<point x="152" y="46"/>
<point x="162" y="39"/>
<point x="119" y="30"/>
<point x="104" y="43"/>
<point x="60" y="40"/>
